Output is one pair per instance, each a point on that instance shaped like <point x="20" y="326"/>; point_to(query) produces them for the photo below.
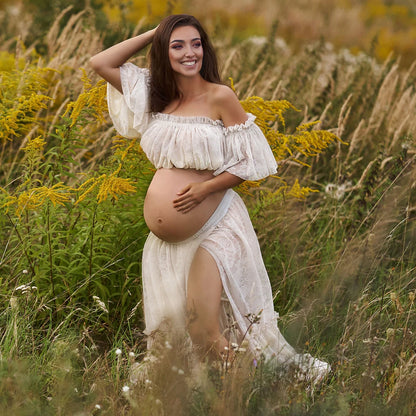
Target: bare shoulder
<point x="227" y="105"/>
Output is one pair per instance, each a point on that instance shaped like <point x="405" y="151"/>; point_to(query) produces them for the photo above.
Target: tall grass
<point x="341" y="261"/>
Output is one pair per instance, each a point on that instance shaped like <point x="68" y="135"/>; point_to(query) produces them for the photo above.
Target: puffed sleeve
<point x="247" y="153"/>
<point x="130" y="111"/>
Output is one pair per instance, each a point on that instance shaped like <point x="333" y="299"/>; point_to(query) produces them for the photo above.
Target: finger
<point x="182" y="199"/>
<point x="185" y="211"/>
<point x="180" y="202"/>
<point x="189" y="206"/>
<point x="184" y="190"/>
<point x="186" y="207"/>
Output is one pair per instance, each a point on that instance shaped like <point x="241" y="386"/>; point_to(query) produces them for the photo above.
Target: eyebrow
<point x="182" y="41"/>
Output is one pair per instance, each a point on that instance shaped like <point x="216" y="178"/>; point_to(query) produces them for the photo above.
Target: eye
<point x="176" y="46"/>
<point x="197" y="44"/>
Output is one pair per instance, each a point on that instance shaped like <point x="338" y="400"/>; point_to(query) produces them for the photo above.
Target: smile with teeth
<point x="189" y="63"/>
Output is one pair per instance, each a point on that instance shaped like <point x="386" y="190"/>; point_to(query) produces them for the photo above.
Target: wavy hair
<point x="163" y="88"/>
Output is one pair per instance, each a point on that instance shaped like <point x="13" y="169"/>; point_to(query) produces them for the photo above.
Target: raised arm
<point x="107" y="63"/>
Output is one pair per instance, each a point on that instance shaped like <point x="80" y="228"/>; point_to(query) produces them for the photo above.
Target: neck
<point x="190" y="87"/>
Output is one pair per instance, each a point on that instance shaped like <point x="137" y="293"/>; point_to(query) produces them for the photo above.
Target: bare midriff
<point x="159" y="213"/>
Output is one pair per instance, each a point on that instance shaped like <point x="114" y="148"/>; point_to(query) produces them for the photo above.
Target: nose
<point x="189" y="51"/>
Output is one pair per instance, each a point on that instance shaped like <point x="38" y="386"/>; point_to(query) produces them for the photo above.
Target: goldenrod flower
<point x="267" y="112"/>
<point x="34" y="146"/>
<point x="20" y="99"/>
<point x="114" y="186"/>
<point x="92" y="97"/>
<point x="108" y="186"/>
<point x="92" y="182"/>
<point x="34" y="198"/>
<point x="58" y="194"/>
<point x="300" y="192"/>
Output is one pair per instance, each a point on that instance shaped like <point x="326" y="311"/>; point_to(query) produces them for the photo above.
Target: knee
<point x="202" y="333"/>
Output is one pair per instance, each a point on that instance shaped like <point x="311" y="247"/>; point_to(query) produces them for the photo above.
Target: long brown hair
<point x="163" y="88"/>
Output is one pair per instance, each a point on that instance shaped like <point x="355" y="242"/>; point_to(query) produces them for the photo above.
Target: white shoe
<point x="312" y="369"/>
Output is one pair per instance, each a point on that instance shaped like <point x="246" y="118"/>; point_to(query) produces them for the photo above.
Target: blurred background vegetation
<point x="378" y="27"/>
<point x="341" y="261"/>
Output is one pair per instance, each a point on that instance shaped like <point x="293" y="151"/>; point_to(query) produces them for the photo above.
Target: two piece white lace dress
<point x="205" y="144"/>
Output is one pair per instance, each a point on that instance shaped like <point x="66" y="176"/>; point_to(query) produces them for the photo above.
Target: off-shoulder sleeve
<point x="247" y="153"/>
<point x="130" y="111"/>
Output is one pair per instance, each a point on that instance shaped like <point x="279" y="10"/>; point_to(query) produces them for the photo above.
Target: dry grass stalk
<point x="357" y="138"/>
<point x="384" y="100"/>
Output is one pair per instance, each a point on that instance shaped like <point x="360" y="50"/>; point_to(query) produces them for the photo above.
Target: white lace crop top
<point x="187" y="142"/>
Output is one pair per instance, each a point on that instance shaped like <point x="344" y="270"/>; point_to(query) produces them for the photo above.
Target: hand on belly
<point x="174" y="218"/>
<point x="190" y="196"/>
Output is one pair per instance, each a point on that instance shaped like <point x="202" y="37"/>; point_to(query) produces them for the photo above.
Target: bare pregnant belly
<point x="162" y="218"/>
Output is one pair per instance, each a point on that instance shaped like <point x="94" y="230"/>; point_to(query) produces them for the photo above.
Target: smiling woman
<point x="202" y="268"/>
<point x="185" y="51"/>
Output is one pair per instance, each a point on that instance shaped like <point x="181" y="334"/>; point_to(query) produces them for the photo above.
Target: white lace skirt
<point x="247" y="302"/>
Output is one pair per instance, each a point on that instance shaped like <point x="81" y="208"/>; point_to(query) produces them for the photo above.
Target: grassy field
<point x="341" y="261"/>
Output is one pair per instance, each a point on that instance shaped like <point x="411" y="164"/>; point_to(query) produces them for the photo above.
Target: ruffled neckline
<point x="204" y="120"/>
<point x="187" y="119"/>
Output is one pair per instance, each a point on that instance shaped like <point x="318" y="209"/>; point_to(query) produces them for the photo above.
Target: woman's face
<point x="185" y="51"/>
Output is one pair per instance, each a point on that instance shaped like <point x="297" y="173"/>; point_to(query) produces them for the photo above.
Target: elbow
<point x="95" y="63"/>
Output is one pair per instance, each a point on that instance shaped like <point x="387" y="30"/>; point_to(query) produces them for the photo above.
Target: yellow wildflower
<point x="267" y="112"/>
<point x="300" y="192"/>
<point x="91" y="97"/>
<point x="114" y="186"/>
<point x="123" y="147"/>
<point x="34" y="146"/>
<point x="58" y="194"/>
<point x="231" y="83"/>
<point x="92" y="182"/>
<point x="246" y="186"/>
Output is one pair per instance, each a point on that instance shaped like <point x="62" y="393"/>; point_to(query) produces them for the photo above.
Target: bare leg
<point x="203" y="306"/>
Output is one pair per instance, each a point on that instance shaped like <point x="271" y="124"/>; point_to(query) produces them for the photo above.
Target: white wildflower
<point x="125" y="389"/>
<point x="100" y="304"/>
<point x="131" y="354"/>
<point x="118" y="351"/>
<point x="24" y="271"/>
<point x="97" y="406"/>
<point x="158" y="402"/>
<point x="168" y="345"/>
<point x="181" y="372"/>
<point x="337" y="191"/>
<point x="23" y="288"/>
<point x="174" y="369"/>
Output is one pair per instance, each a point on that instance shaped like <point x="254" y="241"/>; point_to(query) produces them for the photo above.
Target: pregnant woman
<point x="202" y="267"/>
